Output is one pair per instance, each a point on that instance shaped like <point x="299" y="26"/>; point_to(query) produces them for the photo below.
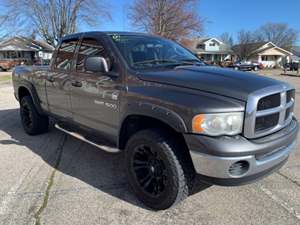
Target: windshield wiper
<point x="168" y="62"/>
<point x="190" y="62"/>
<point x="155" y="61"/>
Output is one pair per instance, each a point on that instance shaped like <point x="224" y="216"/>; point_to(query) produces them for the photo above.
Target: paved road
<point x="56" y="179"/>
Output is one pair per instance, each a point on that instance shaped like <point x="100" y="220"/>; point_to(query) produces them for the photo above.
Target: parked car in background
<point x="8" y="64"/>
<point x="227" y="63"/>
<point x="247" y="65"/>
<point x="293" y="66"/>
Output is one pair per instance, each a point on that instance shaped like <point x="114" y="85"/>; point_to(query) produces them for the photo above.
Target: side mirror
<point x="96" y="64"/>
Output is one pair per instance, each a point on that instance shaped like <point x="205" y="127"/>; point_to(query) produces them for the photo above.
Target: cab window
<point x="65" y="55"/>
<point x="89" y="47"/>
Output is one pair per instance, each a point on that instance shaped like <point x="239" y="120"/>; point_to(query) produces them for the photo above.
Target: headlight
<point x="218" y="123"/>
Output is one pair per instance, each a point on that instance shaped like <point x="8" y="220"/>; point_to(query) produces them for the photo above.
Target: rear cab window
<point x="65" y="54"/>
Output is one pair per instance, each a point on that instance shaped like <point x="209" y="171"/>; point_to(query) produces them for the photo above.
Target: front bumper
<point x="214" y="157"/>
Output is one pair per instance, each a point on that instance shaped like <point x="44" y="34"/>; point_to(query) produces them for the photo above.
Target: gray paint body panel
<point x="215" y="80"/>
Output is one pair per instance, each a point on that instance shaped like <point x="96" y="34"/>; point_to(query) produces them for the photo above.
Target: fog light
<point x="239" y="168"/>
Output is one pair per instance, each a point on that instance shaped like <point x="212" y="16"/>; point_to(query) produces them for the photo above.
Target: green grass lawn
<point x="5" y="78"/>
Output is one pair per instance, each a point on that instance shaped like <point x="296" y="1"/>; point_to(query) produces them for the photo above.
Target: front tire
<point x="33" y="123"/>
<point x="158" y="168"/>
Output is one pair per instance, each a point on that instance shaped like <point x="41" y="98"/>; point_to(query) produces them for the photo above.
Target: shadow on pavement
<point x="97" y="168"/>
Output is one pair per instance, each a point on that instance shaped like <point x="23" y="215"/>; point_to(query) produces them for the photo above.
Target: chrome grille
<point x="268" y="102"/>
<point x="268" y="110"/>
<point x="266" y="122"/>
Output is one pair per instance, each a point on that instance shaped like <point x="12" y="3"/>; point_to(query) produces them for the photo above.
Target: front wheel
<point x="159" y="170"/>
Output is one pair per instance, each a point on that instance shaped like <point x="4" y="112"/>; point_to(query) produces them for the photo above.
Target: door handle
<point x="76" y="83"/>
<point x="50" y="78"/>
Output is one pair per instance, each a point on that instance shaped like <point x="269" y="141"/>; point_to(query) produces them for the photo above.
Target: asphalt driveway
<point x="56" y="179"/>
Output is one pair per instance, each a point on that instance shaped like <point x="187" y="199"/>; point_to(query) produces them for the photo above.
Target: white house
<point x="24" y="49"/>
<point x="211" y="49"/>
<point x="266" y="53"/>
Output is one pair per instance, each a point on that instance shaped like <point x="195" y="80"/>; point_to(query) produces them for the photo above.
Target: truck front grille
<point x="269" y="110"/>
<point x="269" y="102"/>
<point x="266" y="122"/>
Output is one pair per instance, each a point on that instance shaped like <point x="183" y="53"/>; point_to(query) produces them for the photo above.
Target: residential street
<point x="56" y="179"/>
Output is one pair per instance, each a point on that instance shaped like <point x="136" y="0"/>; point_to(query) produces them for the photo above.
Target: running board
<point x="80" y="137"/>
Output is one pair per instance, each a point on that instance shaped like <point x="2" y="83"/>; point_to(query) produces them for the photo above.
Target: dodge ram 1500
<point x="172" y="115"/>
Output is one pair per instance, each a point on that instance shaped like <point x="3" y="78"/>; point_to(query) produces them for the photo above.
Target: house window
<point x="207" y="57"/>
<point x="212" y="44"/>
<point x="268" y="58"/>
<point x="14" y="55"/>
<point x="200" y="46"/>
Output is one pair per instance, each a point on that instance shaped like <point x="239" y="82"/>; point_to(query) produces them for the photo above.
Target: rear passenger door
<point x="58" y="82"/>
<point x="95" y="96"/>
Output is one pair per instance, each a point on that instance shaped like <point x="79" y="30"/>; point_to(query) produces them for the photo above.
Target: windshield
<point x="145" y="52"/>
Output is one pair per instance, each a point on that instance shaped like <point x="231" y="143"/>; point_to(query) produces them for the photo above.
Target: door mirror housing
<point x="96" y="64"/>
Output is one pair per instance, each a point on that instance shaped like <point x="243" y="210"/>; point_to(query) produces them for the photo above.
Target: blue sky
<point x="220" y="15"/>
<point x="224" y="16"/>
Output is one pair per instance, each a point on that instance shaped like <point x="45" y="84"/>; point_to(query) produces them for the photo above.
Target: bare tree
<point x="52" y="19"/>
<point x="245" y="42"/>
<point x="3" y="32"/>
<point x="173" y="19"/>
<point x="187" y="42"/>
<point x="278" y="33"/>
<point x="227" y="39"/>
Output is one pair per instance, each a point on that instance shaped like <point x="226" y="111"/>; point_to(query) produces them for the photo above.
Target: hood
<point x="226" y="82"/>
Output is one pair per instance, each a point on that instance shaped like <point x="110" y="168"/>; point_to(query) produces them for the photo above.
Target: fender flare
<point x="33" y="93"/>
<point x="156" y="112"/>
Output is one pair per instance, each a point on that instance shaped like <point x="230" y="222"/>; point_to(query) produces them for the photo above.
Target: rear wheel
<point x="33" y="123"/>
<point x="236" y="68"/>
<point x="159" y="171"/>
<point x="255" y="68"/>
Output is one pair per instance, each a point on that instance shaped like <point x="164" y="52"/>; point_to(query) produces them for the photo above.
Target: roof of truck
<point x="97" y="33"/>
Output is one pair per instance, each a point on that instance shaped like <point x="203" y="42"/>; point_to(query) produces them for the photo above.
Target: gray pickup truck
<point x="173" y="116"/>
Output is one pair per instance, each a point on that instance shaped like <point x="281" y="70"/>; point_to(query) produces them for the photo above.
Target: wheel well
<point x="23" y="91"/>
<point x="135" y="123"/>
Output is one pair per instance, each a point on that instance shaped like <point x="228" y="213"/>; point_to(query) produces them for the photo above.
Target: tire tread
<point x="40" y="122"/>
<point x="178" y="159"/>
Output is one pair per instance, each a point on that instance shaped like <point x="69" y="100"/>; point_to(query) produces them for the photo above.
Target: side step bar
<point x="80" y="137"/>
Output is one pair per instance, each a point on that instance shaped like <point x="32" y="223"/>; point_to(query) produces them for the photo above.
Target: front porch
<point x="22" y="56"/>
<point x="273" y="61"/>
<point x="214" y="57"/>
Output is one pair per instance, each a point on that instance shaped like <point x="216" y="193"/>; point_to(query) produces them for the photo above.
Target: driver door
<point x="95" y="95"/>
<point x="58" y="83"/>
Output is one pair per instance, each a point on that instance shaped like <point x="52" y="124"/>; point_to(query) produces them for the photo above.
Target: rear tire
<point x="33" y="122"/>
<point x="159" y="169"/>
